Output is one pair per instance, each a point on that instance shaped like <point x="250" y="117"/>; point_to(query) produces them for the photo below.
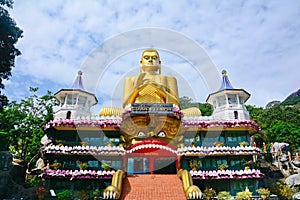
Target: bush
<point x="244" y="195"/>
<point x="282" y="190"/>
<point x="223" y="195"/>
<point x="64" y="195"/>
<point x="82" y="195"/>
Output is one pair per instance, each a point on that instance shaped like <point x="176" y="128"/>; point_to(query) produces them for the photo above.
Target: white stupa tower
<point x="228" y="102"/>
<point x="75" y="103"/>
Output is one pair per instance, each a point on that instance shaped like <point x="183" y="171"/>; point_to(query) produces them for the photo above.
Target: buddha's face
<point x="150" y="61"/>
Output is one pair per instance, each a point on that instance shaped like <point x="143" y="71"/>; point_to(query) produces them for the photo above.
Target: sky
<point x="257" y="42"/>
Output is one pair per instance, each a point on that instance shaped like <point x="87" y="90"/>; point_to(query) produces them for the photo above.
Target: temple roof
<point x="76" y="87"/>
<point x="78" y="82"/>
<point x="226" y="85"/>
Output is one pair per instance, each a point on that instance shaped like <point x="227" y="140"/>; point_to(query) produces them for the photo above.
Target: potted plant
<point x="209" y="193"/>
<point x="59" y="143"/>
<point x="56" y="165"/>
<point x="244" y="195"/>
<point x="96" y="194"/>
<point x="243" y="144"/>
<point x="83" y="166"/>
<point x="222" y="166"/>
<point x="84" y="143"/>
<point x="219" y="144"/>
<point x="106" y="166"/>
<point x="82" y="195"/>
<point x="40" y="192"/>
<point x="264" y="192"/>
<point x="63" y="195"/>
<point x="195" y="164"/>
<point x="224" y="195"/>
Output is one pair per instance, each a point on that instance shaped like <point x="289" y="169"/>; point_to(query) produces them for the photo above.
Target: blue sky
<point x="257" y="42"/>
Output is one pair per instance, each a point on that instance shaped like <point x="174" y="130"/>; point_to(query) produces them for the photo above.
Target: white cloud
<point x="256" y="41"/>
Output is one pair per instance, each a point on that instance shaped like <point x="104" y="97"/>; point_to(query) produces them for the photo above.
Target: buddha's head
<point x="150" y="62"/>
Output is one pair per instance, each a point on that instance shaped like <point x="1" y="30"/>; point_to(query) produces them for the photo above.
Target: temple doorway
<point x="151" y="165"/>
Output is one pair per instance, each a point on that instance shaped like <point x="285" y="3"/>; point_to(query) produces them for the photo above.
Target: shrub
<point x="64" y="195"/>
<point x="244" y="195"/>
<point x="224" y="195"/>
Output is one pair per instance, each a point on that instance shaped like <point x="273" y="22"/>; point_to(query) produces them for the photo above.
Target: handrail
<point x="114" y="190"/>
<point x="191" y="191"/>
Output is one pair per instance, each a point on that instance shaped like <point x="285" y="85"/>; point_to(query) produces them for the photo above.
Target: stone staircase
<point x="152" y="187"/>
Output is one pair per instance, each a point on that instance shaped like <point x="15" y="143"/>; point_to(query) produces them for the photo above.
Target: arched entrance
<point x="151" y="157"/>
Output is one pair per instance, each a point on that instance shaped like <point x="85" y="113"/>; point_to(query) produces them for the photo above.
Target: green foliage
<point x="278" y="124"/>
<point x="105" y="166"/>
<point x="9" y="36"/>
<point x="283" y="191"/>
<point x="205" y="108"/>
<point x="7" y="3"/>
<point x="186" y="102"/>
<point x="291" y="101"/>
<point x="284" y="132"/>
<point x="263" y="191"/>
<point x="33" y="181"/>
<point x="82" y="195"/>
<point x="224" y="195"/>
<point x="243" y="195"/>
<point x="83" y="165"/>
<point x="21" y="124"/>
<point x="210" y="192"/>
<point x="96" y="193"/>
<point x="64" y="195"/>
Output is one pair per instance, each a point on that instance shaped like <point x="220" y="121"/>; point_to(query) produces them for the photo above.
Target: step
<point x="152" y="187"/>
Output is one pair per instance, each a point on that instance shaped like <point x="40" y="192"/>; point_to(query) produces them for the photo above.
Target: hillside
<point x="292" y="99"/>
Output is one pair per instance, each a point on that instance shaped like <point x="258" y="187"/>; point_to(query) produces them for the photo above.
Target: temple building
<point x="149" y="137"/>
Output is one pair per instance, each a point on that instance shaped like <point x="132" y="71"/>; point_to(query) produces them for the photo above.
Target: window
<point x="221" y="101"/>
<point x="82" y="100"/>
<point x="232" y="99"/>
<point x="93" y="164"/>
<point x="236" y="114"/>
<point x="210" y="164"/>
<point x="188" y="141"/>
<point x="68" y="115"/>
<point x="234" y="138"/>
<point x="209" y="138"/>
<point x="71" y="99"/>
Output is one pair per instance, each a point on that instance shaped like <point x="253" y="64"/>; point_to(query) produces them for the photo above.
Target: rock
<point x="5" y="160"/>
<point x="296" y="196"/>
<point x="293" y="180"/>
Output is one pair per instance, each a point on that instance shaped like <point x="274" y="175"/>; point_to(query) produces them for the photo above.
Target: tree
<point x="284" y="132"/>
<point x="206" y="109"/>
<point x="185" y="102"/>
<point x="21" y="124"/>
<point x="9" y="35"/>
<point x="278" y="124"/>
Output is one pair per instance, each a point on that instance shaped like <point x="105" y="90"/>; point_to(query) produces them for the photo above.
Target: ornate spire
<point x="78" y="82"/>
<point x="226" y="85"/>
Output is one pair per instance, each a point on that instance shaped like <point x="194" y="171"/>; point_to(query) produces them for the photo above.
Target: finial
<point x="79" y="73"/>
<point x="224" y="72"/>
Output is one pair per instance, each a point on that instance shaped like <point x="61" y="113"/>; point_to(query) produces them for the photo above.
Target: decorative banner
<point x="147" y="108"/>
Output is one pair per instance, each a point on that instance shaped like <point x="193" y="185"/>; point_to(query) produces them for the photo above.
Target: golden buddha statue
<point x="150" y="86"/>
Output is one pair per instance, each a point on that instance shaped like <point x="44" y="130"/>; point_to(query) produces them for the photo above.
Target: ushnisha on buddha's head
<point x="150" y="62"/>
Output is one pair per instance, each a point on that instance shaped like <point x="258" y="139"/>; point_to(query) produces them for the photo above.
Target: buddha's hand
<point x="111" y="192"/>
<point x="193" y="192"/>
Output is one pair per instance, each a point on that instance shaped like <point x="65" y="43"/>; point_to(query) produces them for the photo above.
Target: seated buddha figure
<point x="150" y="86"/>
